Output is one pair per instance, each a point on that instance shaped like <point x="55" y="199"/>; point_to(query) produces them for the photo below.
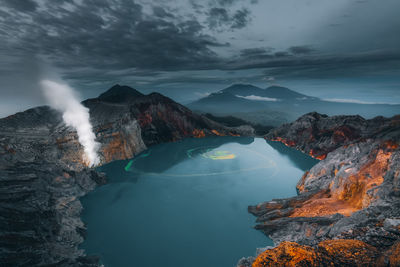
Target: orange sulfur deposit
<point x="285" y="141"/>
<point x="198" y="133"/>
<point x="346" y="194"/>
<point x="315" y="155"/>
<point x="339" y="252"/>
<point x="290" y="143"/>
<point x="217" y="133"/>
<point x="117" y="148"/>
<point x="287" y="254"/>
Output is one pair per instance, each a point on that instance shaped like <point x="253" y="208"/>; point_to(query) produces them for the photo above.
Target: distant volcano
<point x="276" y="105"/>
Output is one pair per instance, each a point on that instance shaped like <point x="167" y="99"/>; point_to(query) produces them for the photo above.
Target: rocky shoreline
<point x="347" y="212"/>
<point x="43" y="172"/>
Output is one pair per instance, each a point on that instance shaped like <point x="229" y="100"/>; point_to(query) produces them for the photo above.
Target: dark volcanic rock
<point x="352" y="194"/>
<point x="43" y="171"/>
<point x="318" y="134"/>
<point x="119" y="94"/>
<point x="40" y="212"/>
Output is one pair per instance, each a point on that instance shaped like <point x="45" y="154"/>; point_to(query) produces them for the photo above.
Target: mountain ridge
<point x="242" y="99"/>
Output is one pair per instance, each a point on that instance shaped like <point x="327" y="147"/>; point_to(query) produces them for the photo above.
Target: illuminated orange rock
<point x="300" y="184"/>
<point x="198" y="133"/>
<point x="345" y="194"/>
<point x="390" y="145"/>
<point x="323" y="204"/>
<point x="354" y="189"/>
<point x="346" y="252"/>
<point x="287" y="254"/>
<point x="118" y="148"/>
<point x="317" y="155"/>
<point x="339" y="252"/>
<point x="217" y="133"/>
<point x="284" y="141"/>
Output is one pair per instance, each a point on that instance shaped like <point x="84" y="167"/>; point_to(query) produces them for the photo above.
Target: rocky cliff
<point x="43" y="171"/>
<point x="347" y="212"/>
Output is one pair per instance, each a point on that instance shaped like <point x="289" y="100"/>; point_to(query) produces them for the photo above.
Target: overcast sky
<point x="344" y="49"/>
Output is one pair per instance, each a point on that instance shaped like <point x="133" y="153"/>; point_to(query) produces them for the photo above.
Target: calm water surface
<point x="185" y="203"/>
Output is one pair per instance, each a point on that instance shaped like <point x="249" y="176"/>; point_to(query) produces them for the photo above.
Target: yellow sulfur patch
<point x="218" y="155"/>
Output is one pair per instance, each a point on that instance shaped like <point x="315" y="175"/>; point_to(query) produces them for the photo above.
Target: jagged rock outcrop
<point x="339" y="252"/>
<point x="43" y="171"/>
<point x="352" y="194"/>
<point x="317" y="134"/>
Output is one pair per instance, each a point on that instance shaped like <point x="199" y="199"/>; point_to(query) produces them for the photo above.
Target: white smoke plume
<point x="63" y="98"/>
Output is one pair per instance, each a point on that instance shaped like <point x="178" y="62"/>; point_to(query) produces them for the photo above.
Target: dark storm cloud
<point x="231" y="2"/>
<point x="219" y="17"/>
<point x="118" y="34"/>
<point x="254" y="52"/>
<point x="149" y="42"/>
<point x="281" y="54"/>
<point x="324" y="66"/>
<point x="226" y="2"/>
<point x="261" y="53"/>
<point x="332" y="70"/>
<point x="298" y="50"/>
<point x="21" y="5"/>
<point x="121" y="35"/>
<point x="115" y="36"/>
<point x="161" y="12"/>
<point x="249" y="54"/>
<point x="240" y="19"/>
<point x="225" y="14"/>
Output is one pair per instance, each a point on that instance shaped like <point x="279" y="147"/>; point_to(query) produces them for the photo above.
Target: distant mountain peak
<point x="278" y="91"/>
<point x="277" y="87"/>
<point x="272" y="92"/>
<point x="119" y="93"/>
<point x="240" y="86"/>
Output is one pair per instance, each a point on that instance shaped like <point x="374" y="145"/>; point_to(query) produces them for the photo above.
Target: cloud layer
<point x="180" y="46"/>
<point x="258" y="98"/>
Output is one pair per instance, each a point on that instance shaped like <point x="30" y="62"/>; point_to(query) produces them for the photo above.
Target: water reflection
<point x="295" y="156"/>
<point x="165" y="156"/>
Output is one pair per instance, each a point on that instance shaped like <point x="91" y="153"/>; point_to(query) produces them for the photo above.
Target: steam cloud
<point x="62" y="98"/>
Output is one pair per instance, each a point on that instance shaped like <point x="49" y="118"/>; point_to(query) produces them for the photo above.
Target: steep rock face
<point x="152" y="118"/>
<point x="317" y="134"/>
<point x="40" y="212"/>
<point x="353" y="193"/>
<point x="43" y="169"/>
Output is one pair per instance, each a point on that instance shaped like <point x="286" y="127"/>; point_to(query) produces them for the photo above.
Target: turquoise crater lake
<point x="185" y="203"/>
